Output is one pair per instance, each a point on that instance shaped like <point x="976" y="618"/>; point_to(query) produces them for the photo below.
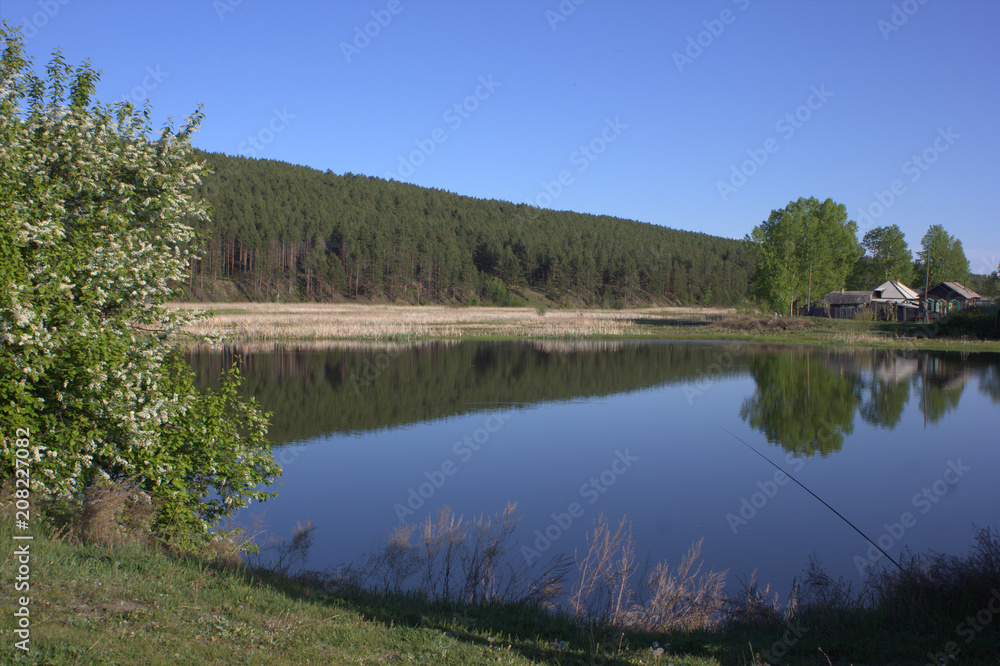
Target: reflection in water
<point x="943" y="382"/>
<point x="806" y="398"/>
<point x="372" y="424"/>
<point x="989" y="382"/>
<point x="889" y="389"/>
<point x="801" y="402"/>
<point x="884" y="401"/>
<point x="312" y="391"/>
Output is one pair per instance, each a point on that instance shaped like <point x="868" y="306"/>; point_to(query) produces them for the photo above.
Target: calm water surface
<point x="903" y="444"/>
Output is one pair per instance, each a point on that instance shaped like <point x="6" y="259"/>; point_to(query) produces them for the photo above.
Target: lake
<point x="903" y="444"/>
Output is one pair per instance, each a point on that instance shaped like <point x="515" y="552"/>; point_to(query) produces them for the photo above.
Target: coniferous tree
<point x="279" y="231"/>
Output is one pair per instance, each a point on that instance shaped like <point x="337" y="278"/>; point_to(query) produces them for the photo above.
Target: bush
<point x="978" y="322"/>
<point x="97" y="229"/>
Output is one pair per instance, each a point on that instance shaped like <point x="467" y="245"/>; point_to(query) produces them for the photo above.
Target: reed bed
<point x="283" y="345"/>
<point x="262" y="322"/>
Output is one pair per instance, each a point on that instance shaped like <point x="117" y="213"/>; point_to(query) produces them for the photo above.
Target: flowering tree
<point x="97" y="224"/>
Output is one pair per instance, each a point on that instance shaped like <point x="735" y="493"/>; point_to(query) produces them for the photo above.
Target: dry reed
<point x="262" y="322"/>
<point x="456" y="560"/>
<point x="613" y="590"/>
<point x="115" y="514"/>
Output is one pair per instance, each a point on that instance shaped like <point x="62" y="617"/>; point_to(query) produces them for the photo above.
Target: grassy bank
<point x="131" y="604"/>
<point x="271" y="322"/>
<point x="128" y="605"/>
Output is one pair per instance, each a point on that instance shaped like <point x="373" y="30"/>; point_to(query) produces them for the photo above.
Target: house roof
<point x="961" y="290"/>
<point x="896" y="291"/>
<point x="848" y="297"/>
<point x="955" y="288"/>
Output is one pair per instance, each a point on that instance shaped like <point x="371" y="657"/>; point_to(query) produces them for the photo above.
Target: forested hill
<point x="292" y="232"/>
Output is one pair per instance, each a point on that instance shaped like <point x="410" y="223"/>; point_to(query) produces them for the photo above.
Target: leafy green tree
<point x="803" y="251"/>
<point x="864" y="275"/>
<point x="97" y="218"/>
<point x="775" y="281"/>
<point x="947" y="258"/>
<point x="891" y="257"/>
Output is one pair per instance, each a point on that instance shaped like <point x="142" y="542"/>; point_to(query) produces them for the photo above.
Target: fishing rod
<point x="839" y="515"/>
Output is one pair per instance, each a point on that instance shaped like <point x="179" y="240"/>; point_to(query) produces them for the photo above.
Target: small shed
<point x="846" y="304"/>
<point x="946" y="297"/>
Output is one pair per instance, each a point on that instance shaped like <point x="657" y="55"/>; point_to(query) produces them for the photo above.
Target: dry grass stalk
<point x="685" y="599"/>
<point x="457" y="560"/>
<point x="114" y="514"/>
<point x="940" y="583"/>
<point x="287" y="554"/>
<point x="8" y="508"/>
<point x="754" y="606"/>
<point x="600" y="592"/>
<point x="232" y="541"/>
<point x="262" y="322"/>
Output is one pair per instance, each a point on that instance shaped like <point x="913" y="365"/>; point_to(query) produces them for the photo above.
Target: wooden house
<point x="894" y="301"/>
<point x="843" y="304"/>
<point x="946" y="297"/>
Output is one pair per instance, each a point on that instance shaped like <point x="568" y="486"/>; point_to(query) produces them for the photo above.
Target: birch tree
<point x="947" y="257"/>
<point x="803" y="251"/>
<point x="891" y="257"/>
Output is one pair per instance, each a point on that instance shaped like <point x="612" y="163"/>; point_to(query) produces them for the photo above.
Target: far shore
<point x="333" y="322"/>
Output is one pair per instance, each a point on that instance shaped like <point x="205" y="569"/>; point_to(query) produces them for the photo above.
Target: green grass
<point x="972" y="330"/>
<point x="129" y="605"/>
<point x="93" y="605"/>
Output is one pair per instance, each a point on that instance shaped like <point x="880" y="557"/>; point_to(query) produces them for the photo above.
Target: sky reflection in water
<point x="370" y="435"/>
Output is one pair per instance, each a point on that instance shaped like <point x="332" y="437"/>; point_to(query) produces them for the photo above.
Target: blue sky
<point x="694" y="115"/>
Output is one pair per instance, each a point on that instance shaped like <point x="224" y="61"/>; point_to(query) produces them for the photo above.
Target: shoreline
<point x="337" y="322"/>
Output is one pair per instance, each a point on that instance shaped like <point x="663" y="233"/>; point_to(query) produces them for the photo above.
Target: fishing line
<point x="888" y="556"/>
